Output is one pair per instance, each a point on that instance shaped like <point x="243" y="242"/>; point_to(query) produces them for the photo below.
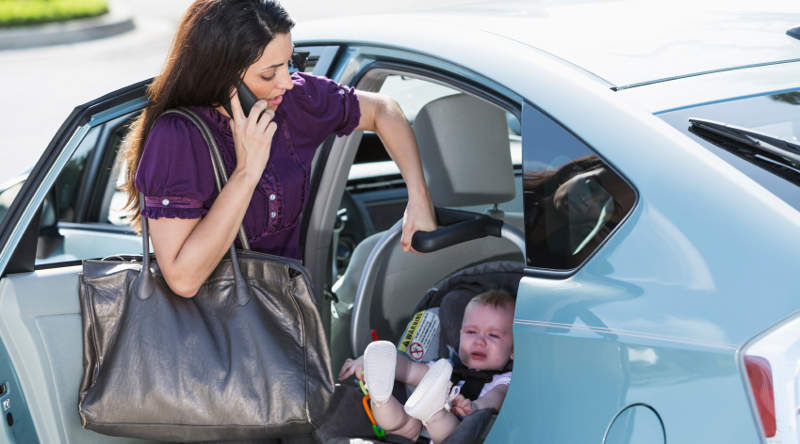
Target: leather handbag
<point x="245" y="358"/>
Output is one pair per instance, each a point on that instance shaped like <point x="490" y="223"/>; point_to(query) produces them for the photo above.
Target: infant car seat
<point x="431" y="333"/>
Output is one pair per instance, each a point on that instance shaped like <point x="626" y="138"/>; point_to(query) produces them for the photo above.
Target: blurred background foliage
<point x="30" y="12"/>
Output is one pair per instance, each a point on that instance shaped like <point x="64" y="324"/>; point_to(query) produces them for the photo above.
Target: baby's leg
<point x="380" y="360"/>
<point x="441" y="425"/>
<point x="392" y="418"/>
<point x="427" y="403"/>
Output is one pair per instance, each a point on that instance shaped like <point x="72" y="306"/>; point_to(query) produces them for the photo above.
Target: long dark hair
<point x="216" y="41"/>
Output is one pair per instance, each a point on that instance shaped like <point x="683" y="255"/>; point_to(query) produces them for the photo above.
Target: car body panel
<point x="714" y="88"/>
<point x="684" y="249"/>
<point x="666" y="280"/>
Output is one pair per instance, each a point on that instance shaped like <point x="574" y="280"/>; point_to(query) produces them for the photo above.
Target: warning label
<point x="421" y="338"/>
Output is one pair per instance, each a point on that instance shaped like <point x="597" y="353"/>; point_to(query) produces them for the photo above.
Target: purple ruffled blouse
<point x="175" y="172"/>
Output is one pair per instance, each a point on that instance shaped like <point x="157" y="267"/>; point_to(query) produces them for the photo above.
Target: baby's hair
<point x="494" y="298"/>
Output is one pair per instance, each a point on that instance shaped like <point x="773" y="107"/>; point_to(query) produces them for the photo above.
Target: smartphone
<point x="246" y="98"/>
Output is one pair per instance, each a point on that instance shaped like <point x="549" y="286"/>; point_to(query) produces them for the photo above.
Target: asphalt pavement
<point x="41" y="85"/>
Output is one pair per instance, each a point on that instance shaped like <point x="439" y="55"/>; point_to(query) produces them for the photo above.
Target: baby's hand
<point x="351" y="366"/>
<point x="461" y="406"/>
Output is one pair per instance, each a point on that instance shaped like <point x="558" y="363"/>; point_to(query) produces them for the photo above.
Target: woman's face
<point x="268" y="78"/>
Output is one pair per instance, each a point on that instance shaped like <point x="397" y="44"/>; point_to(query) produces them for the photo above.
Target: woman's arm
<point x="188" y="250"/>
<point x="383" y="115"/>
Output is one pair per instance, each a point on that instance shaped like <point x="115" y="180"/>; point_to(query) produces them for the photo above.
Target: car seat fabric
<point x="346" y="420"/>
<point x="347" y="423"/>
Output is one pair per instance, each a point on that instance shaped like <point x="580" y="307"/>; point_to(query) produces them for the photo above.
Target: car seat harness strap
<point x="473" y="380"/>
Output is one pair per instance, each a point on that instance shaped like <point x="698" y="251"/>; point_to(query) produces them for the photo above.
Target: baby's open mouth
<point x="477" y="356"/>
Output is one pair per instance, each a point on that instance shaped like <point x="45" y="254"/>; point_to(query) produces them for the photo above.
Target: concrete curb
<point x="116" y="21"/>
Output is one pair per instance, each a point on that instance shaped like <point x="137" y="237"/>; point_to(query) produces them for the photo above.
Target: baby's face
<point x="486" y="342"/>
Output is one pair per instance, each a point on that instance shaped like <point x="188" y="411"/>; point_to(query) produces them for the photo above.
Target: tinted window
<point x="777" y="115"/>
<point x="73" y="178"/>
<point x="8" y="192"/>
<point x="572" y="200"/>
<point x="85" y="200"/>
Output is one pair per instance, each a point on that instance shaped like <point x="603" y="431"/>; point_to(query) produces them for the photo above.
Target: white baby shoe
<point x="431" y="393"/>
<point x="380" y="360"/>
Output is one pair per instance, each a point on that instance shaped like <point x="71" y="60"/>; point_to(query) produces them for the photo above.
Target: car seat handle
<point x="455" y="227"/>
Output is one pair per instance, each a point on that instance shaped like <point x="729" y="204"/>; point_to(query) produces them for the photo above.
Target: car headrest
<point x="465" y="151"/>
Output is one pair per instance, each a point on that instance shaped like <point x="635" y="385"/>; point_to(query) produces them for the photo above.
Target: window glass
<point x="68" y="184"/>
<point x="114" y="199"/>
<point x="572" y="199"/>
<point x="777" y="115"/>
<point x="375" y="196"/>
<point x="8" y="192"/>
<point x="82" y="215"/>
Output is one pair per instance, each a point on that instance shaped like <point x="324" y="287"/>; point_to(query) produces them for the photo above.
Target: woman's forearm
<point x="394" y="131"/>
<point x="187" y="264"/>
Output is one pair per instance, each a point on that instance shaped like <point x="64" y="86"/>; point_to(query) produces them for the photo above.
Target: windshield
<point x="775" y="115"/>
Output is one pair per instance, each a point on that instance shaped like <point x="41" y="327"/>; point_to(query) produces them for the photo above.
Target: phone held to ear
<point x="246" y="98"/>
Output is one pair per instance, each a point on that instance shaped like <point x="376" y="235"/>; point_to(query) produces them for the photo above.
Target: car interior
<point x="470" y="149"/>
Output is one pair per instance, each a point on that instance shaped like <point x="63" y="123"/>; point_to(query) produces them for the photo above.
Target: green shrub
<point x="28" y="12"/>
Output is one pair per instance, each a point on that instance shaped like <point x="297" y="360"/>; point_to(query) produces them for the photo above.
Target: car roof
<point x="624" y="43"/>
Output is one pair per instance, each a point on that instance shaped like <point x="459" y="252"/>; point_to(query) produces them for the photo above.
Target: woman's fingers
<point x="419" y="216"/>
<point x="267" y="125"/>
<point x="256" y="113"/>
<point x="236" y="107"/>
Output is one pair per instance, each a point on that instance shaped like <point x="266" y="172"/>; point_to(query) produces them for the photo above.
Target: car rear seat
<point x="465" y="152"/>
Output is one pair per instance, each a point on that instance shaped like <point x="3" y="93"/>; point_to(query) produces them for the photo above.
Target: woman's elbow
<point x="391" y="109"/>
<point x="185" y="288"/>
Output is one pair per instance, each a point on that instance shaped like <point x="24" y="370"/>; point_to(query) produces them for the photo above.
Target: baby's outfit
<point x="466" y="381"/>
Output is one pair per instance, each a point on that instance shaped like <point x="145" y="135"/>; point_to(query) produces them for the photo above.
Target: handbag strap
<point x="220" y="179"/>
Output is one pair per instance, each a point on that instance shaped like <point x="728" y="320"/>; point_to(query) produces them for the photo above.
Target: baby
<point x="485" y="345"/>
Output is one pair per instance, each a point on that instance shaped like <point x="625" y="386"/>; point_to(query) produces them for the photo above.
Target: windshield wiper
<point x="779" y="150"/>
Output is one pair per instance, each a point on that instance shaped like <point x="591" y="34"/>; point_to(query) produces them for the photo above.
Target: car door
<point x="67" y="208"/>
<point x="59" y="215"/>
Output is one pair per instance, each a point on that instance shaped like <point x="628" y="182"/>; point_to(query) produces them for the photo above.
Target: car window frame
<point x="534" y="271"/>
<point x="22" y="217"/>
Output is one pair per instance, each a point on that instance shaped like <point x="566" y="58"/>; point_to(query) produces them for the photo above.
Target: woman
<point x="267" y="155"/>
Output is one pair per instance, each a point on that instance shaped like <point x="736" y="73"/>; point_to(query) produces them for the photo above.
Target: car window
<point x="573" y="199"/>
<point x="373" y="167"/>
<point x="8" y="192"/>
<point x="375" y="195"/>
<point x="777" y="115"/>
<point x="75" y="174"/>
<point x="83" y="215"/>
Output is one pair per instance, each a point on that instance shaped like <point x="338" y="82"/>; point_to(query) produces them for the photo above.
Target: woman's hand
<point x="352" y="366"/>
<point x="252" y="136"/>
<point x="419" y="216"/>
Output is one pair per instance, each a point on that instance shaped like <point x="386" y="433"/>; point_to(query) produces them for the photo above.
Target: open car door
<point x="63" y="212"/>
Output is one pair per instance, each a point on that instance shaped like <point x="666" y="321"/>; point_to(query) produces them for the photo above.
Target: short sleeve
<point x="325" y="106"/>
<point x="175" y="173"/>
